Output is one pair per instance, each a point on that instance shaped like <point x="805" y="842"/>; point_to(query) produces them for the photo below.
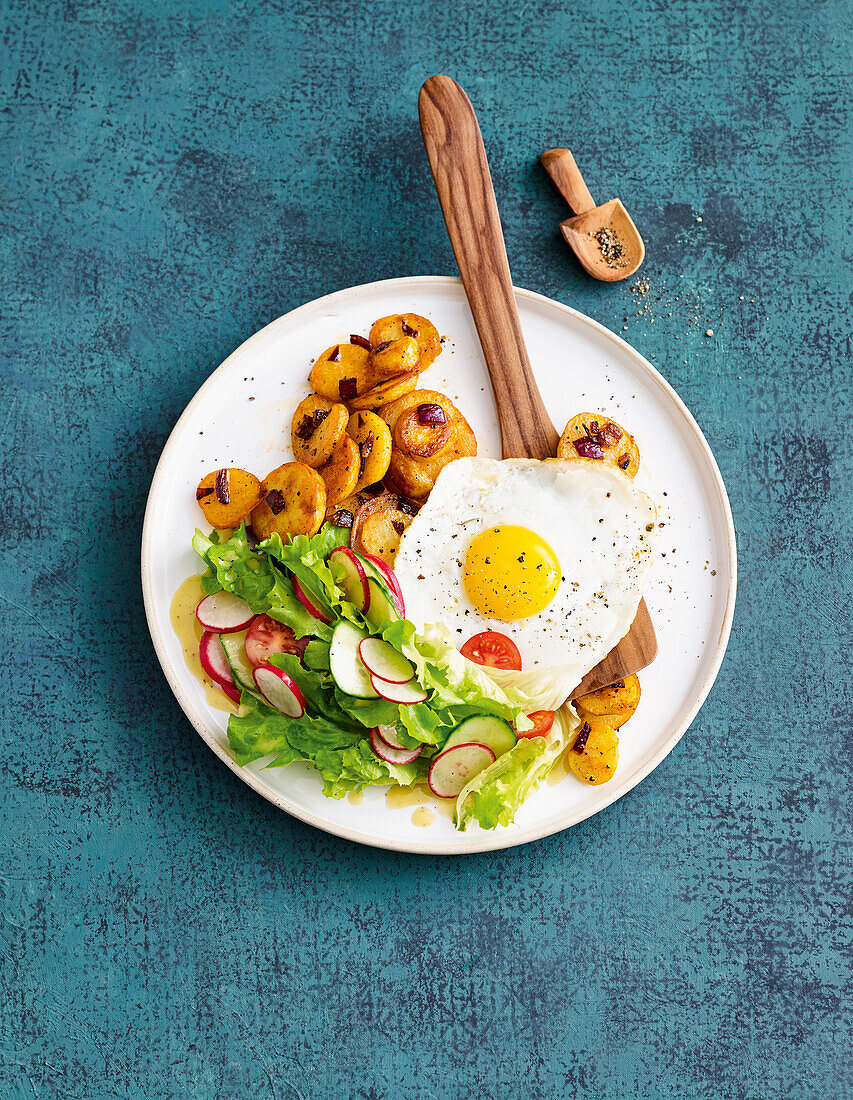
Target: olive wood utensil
<point x="580" y="231"/>
<point x="460" y="170"/>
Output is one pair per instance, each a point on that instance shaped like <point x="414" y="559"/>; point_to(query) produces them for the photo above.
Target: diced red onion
<point x="382" y="347"/>
<point x="306" y="428"/>
<point x="398" y="526"/>
<point x="431" y="414"/>
<point x="362" y="342"/>
<point x="335" y="353"/>
<point x="348" y="389"/>
<point x="406" y="506"/>
<point x="343" y="518"/>
<point x="582" y="738"/>
<point x="319" y="416"/>
<point x="222" y="493"/>
<point x="275" y="500"/>
<point x="588" y="448"/>
<point x="200" y="493"/>
<point x="407" y="330"/>
<point x="610" y="433"/>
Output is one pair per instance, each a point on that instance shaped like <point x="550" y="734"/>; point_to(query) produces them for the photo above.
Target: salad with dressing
<point x="310" y="638"/>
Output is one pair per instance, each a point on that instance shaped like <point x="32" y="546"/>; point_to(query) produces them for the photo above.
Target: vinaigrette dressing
<point x="422" y="797"/>
<point x="189" y="631"/>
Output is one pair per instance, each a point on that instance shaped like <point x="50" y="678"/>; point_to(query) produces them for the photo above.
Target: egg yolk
<point x="510" y="572"/>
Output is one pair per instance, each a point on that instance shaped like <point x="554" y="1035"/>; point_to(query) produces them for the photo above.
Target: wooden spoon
<point x="460" y="170"/>
<point x="618" y="250"/>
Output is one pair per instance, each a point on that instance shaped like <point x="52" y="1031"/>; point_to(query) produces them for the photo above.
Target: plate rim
<point x="485" y="841"/>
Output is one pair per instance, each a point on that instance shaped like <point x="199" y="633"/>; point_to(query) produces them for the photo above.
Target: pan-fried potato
<point x="416" y="477"/>
<point x="409" y="324"/>
<point x="621" y="696"/>
<point x="386" y="391"/>
<point x="352" y="503"/>
<point x="340" y="473"/>
<point x="419" y="440"/>
<point x="342" y="372"/>
<point x="293" y="502"/>
<point x="593" y="437"/>
<point x="227" y="496"/>
<point x="371" y="435"/>
<point x="317" y="426"/>
<point x="596" y="763"/>
<point x="396" y="357"/>
<point x="379" y="526"/>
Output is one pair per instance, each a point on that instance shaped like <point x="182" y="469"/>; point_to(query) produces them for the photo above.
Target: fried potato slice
<point x="317" y="426"/>
<point x="340" y="473"/>
<point x="386" y="391"/>
<point x="409" y="324"/>
<point x="227" y="496"/>
<point x="416" y="477"/>
<point x="396" y="357"/>
<point x="351" y="504"/>
<point x="379" y="526"/>
<point x="293" y="502"/>
<point x="621" y="696"/>
<point x="421" y="440"/>
<point x="597" y="760"/>
<point x="593" y="437"/>
<point x="372" y="436"/>
<point x="342" y="372"/>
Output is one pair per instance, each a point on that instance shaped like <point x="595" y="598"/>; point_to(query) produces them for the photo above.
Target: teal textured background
<point x="176" y="176"/>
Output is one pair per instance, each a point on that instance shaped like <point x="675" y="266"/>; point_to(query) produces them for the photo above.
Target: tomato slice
<point x="542" y="721"/>
<point x="266" y="637"/>
<point x="494" y="650"/>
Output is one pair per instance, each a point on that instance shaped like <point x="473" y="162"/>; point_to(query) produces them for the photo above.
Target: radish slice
<point x="232" y="693"/>
<point x="383" y="660"/>
<point x="390" y="578"/>
<point x="452" y="769"/>
<point x="398" y="693"/>
<point x="354" y="582"/>
<point x="388" y="734"/>
<point x="390" y="755"/>
<point x="213" y="659"/>
<point x="280" y="691"/>
<point x="224" y="613"/>
<point x="303" y="597"/>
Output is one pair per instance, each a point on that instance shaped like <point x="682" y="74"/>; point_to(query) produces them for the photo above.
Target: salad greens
<point x="332" y="734"/>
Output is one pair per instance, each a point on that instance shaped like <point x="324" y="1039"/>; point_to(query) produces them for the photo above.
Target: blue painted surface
<point x="178" y="174"/>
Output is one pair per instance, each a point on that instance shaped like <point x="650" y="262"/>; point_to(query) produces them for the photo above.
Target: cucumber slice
<point x="381" y="609"/>
<point x="235" y="654"/>
<point x="492" y="732"/>
<point x="345" y="664"/>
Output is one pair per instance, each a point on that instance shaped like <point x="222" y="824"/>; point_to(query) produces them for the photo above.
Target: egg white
<point x="599" y="525"/>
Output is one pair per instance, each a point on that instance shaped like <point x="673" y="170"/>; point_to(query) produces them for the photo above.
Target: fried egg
<point x="551" y="554"/>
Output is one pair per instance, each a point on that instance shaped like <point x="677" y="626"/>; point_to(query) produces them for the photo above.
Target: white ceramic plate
<point x="241" y="417"/>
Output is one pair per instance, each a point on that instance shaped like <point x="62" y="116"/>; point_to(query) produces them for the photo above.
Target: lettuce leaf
<point x="454" y="681"/>
<point x="343" y="758"/>
<point x="306" y="558"/>
<point x="238" y="568"/>
<point x="493" y="797"/>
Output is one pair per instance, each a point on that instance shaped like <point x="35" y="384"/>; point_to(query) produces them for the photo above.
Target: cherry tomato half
<point x="267" y="637"/>
<point x="542" y="721"/>
<point x="494" y="650"/>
